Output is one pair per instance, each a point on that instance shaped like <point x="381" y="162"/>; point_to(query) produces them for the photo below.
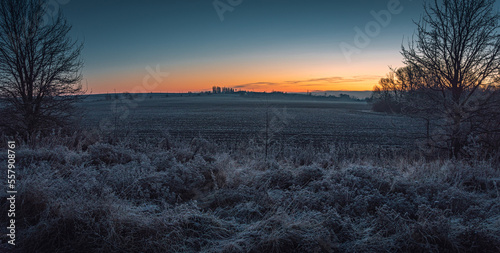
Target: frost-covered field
<point x="232" y="118"/>
<point x="95" y="191"/>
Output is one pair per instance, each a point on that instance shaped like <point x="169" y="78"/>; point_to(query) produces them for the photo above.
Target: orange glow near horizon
<point x="173" y="84"/>
<point x="314" y="75"/>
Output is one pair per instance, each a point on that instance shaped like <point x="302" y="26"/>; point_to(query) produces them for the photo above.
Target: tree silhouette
<point x="457" y="49"/>
<point x="39" y="68"/>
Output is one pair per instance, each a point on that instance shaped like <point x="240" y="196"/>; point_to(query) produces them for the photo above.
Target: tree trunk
<point x="456" y="140"/>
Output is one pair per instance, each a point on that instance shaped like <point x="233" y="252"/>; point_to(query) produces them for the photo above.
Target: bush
<point x="103" y="153"/>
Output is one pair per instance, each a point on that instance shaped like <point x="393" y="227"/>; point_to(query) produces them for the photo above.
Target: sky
<point x="255" y="45"/>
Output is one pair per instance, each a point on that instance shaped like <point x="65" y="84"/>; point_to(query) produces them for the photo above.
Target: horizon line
<point x="209" y="91"/>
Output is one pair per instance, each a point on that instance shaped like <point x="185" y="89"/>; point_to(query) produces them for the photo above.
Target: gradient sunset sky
<point x="261" y="45"/>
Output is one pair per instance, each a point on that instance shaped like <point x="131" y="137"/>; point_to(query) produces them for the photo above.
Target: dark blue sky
<point x="261" y="44"/>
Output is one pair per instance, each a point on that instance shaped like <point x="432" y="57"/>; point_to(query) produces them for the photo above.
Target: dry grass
<point x="88" y="195"/>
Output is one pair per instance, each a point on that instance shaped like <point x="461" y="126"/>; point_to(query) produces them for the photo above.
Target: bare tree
<point x="39" y="68"/>
<point x="457" y="49"/>
<point x="388" y="94"/>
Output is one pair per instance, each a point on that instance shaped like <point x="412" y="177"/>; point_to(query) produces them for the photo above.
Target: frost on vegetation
<point x="197" y="197"/>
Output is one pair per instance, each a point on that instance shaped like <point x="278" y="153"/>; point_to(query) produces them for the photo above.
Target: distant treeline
<point x="218" y="90"/>
<point x="228" y="90"/>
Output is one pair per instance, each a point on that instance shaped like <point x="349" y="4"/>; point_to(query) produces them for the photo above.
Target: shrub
<point x="103" y="153"/>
